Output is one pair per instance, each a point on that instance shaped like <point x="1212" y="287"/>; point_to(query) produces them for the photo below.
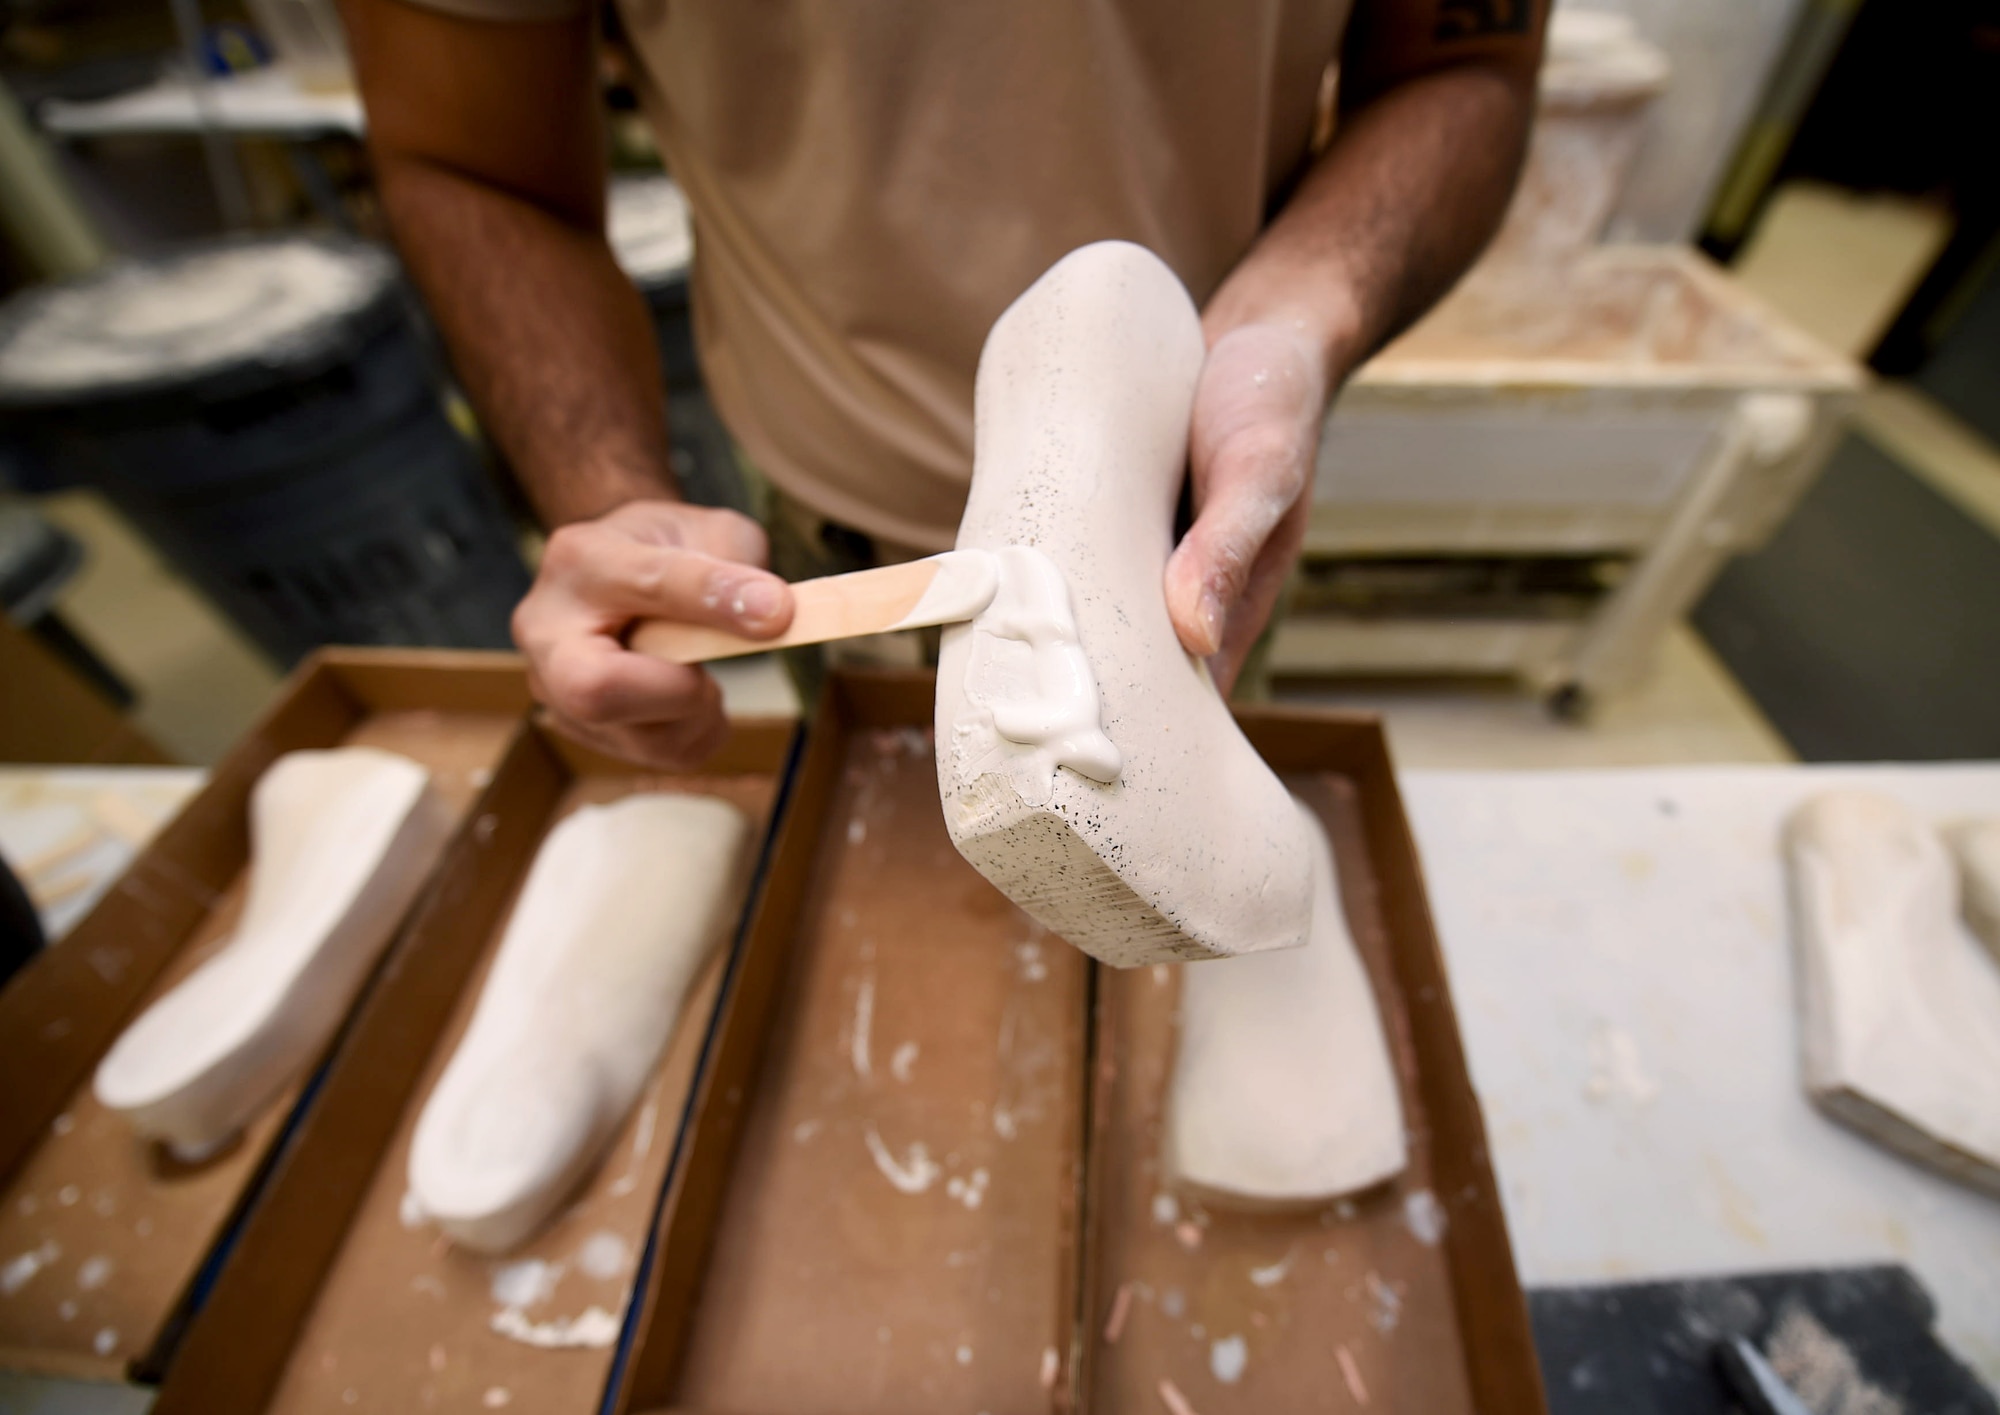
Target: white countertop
<point x="1618" y="950"/>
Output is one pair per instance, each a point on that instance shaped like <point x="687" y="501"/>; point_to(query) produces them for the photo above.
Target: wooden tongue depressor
<point x="940" y="589"/>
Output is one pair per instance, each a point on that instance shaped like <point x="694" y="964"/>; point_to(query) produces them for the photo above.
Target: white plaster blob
<point x="526" y="1283"/>
<point x="410" y="1211"/>
<point x="1900" y="1009"/>
<point x="1282" y="1092"/>
<point x="340" y="843"/>
<point x="132" y="323"/>
<point x="592" y="1327"/>
<point x="861" y="1034"/>
<point x="621" y="907"/>
<point x="604" y="1256"/>
<point x="105" y="1342"/>
<point x="20" y="1269"/>
<point x="93" y="1272"/>
<point x="1147" y="829"/>
<point x="1271" y="1274"/>
<point x="1226" y="1359"/>
<point x="1425" y="1217"/>
<point x="911" y="1175"/>
<point x="902" y="1060"/>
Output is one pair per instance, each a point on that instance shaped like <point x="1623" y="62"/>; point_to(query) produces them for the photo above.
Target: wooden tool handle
<point x="835" y="607"/>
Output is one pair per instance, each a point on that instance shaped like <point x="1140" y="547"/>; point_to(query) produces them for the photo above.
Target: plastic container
<point x="266" y="412"/>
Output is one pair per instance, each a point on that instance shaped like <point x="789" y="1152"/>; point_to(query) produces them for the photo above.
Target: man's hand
<point x="645" y="560"/>
<point x="1257" y="412"/>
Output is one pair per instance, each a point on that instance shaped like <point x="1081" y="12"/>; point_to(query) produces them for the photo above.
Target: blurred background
<point x="1697" y="465"/>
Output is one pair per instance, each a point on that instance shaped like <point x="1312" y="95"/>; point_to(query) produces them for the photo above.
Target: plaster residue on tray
<point x="525" y="1282"/>
<point x="970" y="1191"/>
<point x="592" y="1327"/>
<point x="1424" y="1216"/>
<point x="1385" y="1302"/>
<point x="20" y="1269"/>
<point x="859" y="1034"/>
<point x="642" y="1144"/>
<point x="902" y="1060"/>
<point x="604" y="1256"/>
<point x="1271" y="1274"/>
<point x="1227" y="1356"/>
<point x="913" y="1174"/>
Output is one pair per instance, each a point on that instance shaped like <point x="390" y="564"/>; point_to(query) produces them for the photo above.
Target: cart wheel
<point x="1569" y="703"/>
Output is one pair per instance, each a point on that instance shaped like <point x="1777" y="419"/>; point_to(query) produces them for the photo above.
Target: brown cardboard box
<point x="124" y="1232"/>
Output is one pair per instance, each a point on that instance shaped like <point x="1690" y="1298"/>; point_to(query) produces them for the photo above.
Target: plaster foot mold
<point x="1977" y="845"/>
<point x="1282" y="1093"/>
<point x="1900" y="1008"/>
<point x="1086" y="765"/>
<point x="620" y="909"/>
<point x="340" y="843"/>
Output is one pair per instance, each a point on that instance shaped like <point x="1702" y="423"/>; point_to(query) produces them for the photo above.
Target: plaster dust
<point x="1146" y="830"/>
<point x="134" y="323"/>
<point x="1818" y="1366"/>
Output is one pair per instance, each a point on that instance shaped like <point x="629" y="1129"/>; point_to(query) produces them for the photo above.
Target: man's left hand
<point x="1252" y="442"/>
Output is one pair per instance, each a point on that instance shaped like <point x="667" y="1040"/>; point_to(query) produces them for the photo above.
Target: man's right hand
<point x="645" y="560"/>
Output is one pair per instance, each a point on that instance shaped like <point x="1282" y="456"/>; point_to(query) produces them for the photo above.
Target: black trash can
<point x="266" y="411"/>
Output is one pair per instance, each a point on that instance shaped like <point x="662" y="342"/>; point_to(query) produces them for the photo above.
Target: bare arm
<point x="1436" y="102"/>
<point x="489" y="157"/>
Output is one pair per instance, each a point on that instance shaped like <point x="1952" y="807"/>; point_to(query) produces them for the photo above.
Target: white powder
<point x="592" y="1327"/>
<point x="1227" y="1358"/>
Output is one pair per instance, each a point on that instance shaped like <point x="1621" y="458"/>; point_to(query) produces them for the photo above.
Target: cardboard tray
<point x="333" y="1299"/>
<point x="1404" y="1298"/>
<point x="108" y="1237"/>
<point x="828" y="1289"/>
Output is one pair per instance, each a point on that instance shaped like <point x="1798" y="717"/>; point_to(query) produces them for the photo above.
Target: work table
<point x="1618" y="949"/>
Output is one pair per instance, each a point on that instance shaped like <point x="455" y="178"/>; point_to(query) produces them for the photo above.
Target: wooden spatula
<point x="942" y="589"/>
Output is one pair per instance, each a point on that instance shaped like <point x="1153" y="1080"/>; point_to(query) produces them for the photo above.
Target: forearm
<point x="550" y="338"/>
<point x="1405" y="197"/>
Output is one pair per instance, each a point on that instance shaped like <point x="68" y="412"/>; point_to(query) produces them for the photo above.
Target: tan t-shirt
<point x="874" y="181"/>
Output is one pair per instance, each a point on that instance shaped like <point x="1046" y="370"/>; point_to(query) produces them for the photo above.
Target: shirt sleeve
<point x="504" y="11"/>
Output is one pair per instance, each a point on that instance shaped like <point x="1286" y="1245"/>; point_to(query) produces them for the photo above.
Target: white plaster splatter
<point x="592" y="1327"/>
<point x="804" y="1131"/>
<point x="912" y="1175"/>
<point x="604" y="1255"/>
<point x="1425" y="1217"/>
<point x="1173" y="1303"/>
<point x="1004" y="1124"/>
<point x="1227" y="1358"/>
<point x="410" y="1212"/>
<point x="68" y="1195"/>
<point x="524" y="1283"/>
<point x="904" y="1058"/>
<point x="1271" y="1274"/>
<point x="105" y="1342"/>
<point x="67" y="1309"/>
<point x="496" y="1397"/>
<point x="63" y="1123"/>
<point x="1051" y="1367"/>
<point x="857" y="831"/>
<point x="970" y="1192"/>
<point x="1032" y="966"/>
<point x="1387" y="1310"/>
<point x="93" y="1272"/>
<point x="1166" y="1210"/>
<point x="864" y="1023"/>
<point x="20" y="1269"/>
<point x="964" y="1355"/>
<point x="429" y="1285"/>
